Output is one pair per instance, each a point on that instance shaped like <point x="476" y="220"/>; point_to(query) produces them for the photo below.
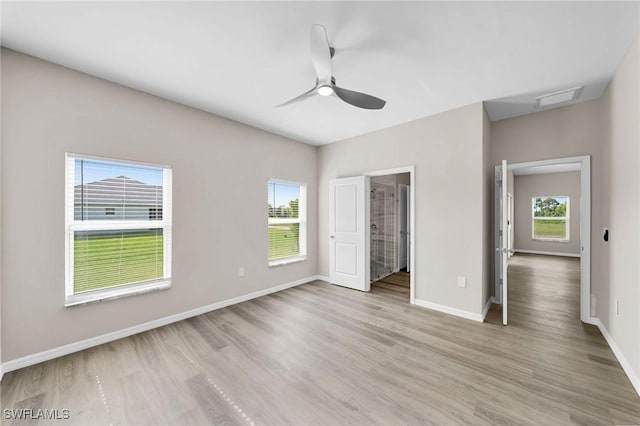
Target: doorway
<point x="390" y="218"/>
<point x="399" y="229"/>
<point x="350" y="240"/>
<point x="543" y="228"/>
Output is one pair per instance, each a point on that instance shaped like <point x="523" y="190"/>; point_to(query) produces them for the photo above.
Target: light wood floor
<point x="322" y="354"/>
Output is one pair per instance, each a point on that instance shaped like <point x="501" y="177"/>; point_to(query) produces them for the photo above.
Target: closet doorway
<point x="390" y="235"/>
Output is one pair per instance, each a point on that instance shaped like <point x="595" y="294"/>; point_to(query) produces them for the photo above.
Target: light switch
<point x="462" y="282"/>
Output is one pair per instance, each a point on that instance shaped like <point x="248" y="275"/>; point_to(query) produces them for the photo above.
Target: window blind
<point x="118" y="224"/>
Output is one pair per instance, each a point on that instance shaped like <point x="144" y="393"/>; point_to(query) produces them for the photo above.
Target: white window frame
<point x="72" y="225"/>
<point x="302" y="220"/>
<point x="567" y="236"/>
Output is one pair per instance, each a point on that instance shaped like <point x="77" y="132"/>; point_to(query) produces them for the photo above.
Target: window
<point x="550" y="218"/>
<point x="287" y="217"/>
<point x="118" y="226"/>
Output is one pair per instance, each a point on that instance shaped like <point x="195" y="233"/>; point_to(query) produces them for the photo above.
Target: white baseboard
<point x="547" y="253"/>
<point x="119" y="334"/>
<point x="485" y="311"/>
<point x="449" y="310"/>
<point x="322" y="278"/>
<point x="635" y="380"/>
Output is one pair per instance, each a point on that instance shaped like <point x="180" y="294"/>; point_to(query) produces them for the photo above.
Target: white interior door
<point x="510" y="223"/>
<point x="504" y="238"/>
<point x="403" y="218"/>
<point x="349" y="234"/>
<point x="409" y="230"/>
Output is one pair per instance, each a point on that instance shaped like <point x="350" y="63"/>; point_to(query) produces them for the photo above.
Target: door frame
<point x="412" y="208"/>
<point x="399" y="189"/>
<point x="585" y="224"/>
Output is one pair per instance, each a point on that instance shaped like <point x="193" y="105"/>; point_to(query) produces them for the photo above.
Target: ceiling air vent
<point x="558" y="97"/>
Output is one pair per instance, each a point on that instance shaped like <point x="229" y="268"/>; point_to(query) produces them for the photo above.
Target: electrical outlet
<point x="241" y="271"/>
<point x="462" y="282"/>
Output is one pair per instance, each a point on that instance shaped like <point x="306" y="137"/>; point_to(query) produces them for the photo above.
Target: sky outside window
<point x="88" y="171"/>
<point x="281" y="194"/>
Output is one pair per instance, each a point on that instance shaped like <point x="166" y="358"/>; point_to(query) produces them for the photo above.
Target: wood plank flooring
<point x="326" y="355"/>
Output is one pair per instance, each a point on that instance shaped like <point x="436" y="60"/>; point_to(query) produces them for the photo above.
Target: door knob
<point x="331" y="236"/>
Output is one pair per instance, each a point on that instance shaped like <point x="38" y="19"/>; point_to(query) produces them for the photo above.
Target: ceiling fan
<point x="321" y="54"/>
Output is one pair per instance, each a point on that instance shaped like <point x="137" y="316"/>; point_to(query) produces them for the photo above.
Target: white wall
<point x="620" y="210"/>
<point x="529" y="186"/>
<point x="220" y="173"/>
<point x="450" y="190"/>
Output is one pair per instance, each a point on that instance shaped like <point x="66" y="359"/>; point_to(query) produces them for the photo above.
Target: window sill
<point x="104" y="295"/>
<point x="550" y="240"/>
<point x="287" y="261"/>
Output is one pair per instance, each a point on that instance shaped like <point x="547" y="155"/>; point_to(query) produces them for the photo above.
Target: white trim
<point x="322" y="278"/>
<point x="547" y="253"/>
<point x="287" y="261"/>
<point x="116" y="293"/>
<point x="592" y="321"/>
<point x="624" y="363"/>
<point x="394" y="171"/>
<point x="412" y="207"/>
<point x="49" y="354"/>
<point x="486" y="308"/>
<point x="449" y="310"/>
<point x="117" y="160"/>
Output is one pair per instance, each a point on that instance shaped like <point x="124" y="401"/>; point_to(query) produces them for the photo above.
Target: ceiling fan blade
<point x="361" y="100"/>
<point x="321" y="53"/>
<point x="299" y="98"/>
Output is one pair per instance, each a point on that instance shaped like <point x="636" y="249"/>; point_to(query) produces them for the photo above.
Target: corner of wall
<point x="487" y="208"/>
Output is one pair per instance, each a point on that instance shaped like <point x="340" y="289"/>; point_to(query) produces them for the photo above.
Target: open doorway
<point x="543" y="262"/>
<point x="351" y="244"/>
<point x="390" y="235"/>
<point x="389" y="243"/>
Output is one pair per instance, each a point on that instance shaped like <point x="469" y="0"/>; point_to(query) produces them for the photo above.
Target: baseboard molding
<point x="635" y="380"/>
<point x="485" y="311"/>
<point x="547" y="253"/>
<point x="322" y="278"/>
<point x="449" y="310"/>
<point x="593" y="321"/>
<point x="119" y="334"/>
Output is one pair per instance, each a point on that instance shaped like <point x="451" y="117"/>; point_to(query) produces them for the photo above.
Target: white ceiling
<point x="239" y="59"/>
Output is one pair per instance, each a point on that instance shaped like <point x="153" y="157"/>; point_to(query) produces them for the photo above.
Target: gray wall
<point x="487" y="209"/>
<point x="607" y="129"/>
<point x="1" y="233"/>
<point x="620" y="209"/>
<point x="450" y="191"/>
<point x="562" y="132"/>
<point x="48" y="110"/>
<point x="529" y="186"/>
